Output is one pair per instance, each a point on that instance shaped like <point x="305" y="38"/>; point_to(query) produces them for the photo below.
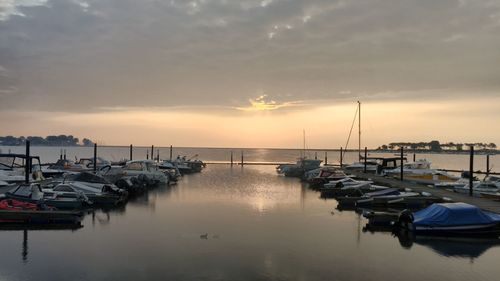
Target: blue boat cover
<point x="453" y="214"/>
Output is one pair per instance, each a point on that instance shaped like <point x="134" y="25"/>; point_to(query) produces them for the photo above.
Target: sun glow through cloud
<point x="262" y="104"/>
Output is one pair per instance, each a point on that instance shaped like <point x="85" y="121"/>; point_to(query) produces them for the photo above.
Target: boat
<point x="13" y="168"/>
<point x="390" y="197"/>
<point x="298" y="169"/>
<point x="33" y="193"/>
<point x="479" y="188"/>
<point x="451" y="219"/>
<point x="319" y="177"/>
<point x="106" y="195"/>
<point x="420" y="171"/>
<point x="145" y="171"/>
<point x="14" y="212"/>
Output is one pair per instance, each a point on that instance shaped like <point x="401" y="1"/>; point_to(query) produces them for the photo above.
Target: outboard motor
<point x="405" y="218"/>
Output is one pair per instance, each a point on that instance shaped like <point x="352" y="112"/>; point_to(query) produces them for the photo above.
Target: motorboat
<point x="349" y="187"/>
<point x="451" y="219"/>
<point x="13" y="168"/>
<point x="33" y="193"/>
<point x="14" y="212"/>
<point x="420" y="171"/>
<point x="298" y="169"/>
<point x="63" y="166"/>
<point x="146" y="171"/>
<point x="478" y="188"/>
<point x="374" y="165"/>
<point x="325" y="174"/>
<point x="106" y="195"/>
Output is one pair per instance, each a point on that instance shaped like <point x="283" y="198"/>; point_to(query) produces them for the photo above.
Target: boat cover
<point x="384" y="192"/>
<point x="453" y="214"/>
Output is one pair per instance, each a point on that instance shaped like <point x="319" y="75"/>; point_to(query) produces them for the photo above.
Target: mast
<point x="359" y="131"/>
<point x="304" y="142"/>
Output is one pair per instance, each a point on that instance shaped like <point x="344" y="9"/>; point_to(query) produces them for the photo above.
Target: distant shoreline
<point x="407" y="152"/>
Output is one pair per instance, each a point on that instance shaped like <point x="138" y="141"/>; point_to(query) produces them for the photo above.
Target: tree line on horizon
<point x="60" y="140"/>
<point x="437" y="146"/>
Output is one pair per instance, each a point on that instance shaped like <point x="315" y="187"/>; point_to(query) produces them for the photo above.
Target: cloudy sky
<point x="250" y="73"/>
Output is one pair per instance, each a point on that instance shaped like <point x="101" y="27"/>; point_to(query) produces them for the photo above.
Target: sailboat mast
<point x="359" y="131"/>
<point x="304" y="142"/>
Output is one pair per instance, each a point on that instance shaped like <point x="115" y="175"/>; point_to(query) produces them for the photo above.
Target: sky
<point x="242" y="73"/>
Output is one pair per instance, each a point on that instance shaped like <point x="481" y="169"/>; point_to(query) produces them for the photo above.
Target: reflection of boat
<point x="449" y="246"/>
<point x="420" y="171"/>
<point x="451" y="219"/>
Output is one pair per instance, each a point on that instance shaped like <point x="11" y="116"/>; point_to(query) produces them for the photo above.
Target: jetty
<point x="483" y="203"/>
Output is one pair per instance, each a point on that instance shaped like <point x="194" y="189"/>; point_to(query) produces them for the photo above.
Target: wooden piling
<point x="471" y="170"/>
<point x="158" y="155"/>
<point x="366" y="155"/>
<point x="64" y="157"/>
<point x="402" y="164"/>
<point x="170" y="152"/>
<point x="131" y="148"/>
<point x="95" y="157"/>
<point x="341" y="155"/>
<point x="242" y="162"/>
<point x="153" y="152"/>
<point x="231" y="158"/>
<point x="414" y="157"/>
<point x="315" y="155"/>
<point x="487" y="165"/>
<point x="326" y="157"/>
<point x="60" y="154"/>
<point x="27" y="163"/>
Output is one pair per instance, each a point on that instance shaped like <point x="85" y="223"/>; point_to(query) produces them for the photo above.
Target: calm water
<point x="51" y="154"/>
<point x="260" y="226"/>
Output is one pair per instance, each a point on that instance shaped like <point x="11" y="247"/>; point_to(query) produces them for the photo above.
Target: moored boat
<point x="451" y="219"/>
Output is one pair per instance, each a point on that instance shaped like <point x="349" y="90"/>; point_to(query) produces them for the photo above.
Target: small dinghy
<point x="451" y="219"/>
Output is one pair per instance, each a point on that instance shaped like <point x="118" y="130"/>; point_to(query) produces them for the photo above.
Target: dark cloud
<point x="85" y="55"/>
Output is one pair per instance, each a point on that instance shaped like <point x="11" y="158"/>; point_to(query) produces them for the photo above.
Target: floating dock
<point x="483" y="203"/>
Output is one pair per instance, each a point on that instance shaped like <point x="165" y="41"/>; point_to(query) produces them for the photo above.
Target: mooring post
<point x="158" y="155"/>
<point x="242" y="162"/>
<point x="402" y="164"/>
<point x="487" y="165"/>
<point x="366" y="155"/>
<point x="27" y="163"/>
<point x="170" y="152"/>
<point x="95" y="157"/>
<point x="147" y="154"/>
<point x="315" y="155"/>
<point x="341" y="155"/>
<point x="471" y="170"/>
<point x="60" y="154"/>
<point x="153" y="152"/>
<point x="231" y="158"/>
<point x="414" y="157"/>
<point x="64" y="155"/>
<point x="131" y="148"/>
<point x="326" y="157"/>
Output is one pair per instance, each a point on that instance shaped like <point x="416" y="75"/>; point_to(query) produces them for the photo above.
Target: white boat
<point x="146" y="169"/>
<point x="421" y="172"/>
<point x="478" y="188"/>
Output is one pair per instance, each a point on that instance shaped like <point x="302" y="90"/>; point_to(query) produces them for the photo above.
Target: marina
<point x="241" y="140"/>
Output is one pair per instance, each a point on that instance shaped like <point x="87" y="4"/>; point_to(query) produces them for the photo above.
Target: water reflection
<point x="447" y="246"/>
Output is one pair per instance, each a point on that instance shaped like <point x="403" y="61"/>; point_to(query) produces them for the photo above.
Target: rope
<point x="350" y="132"/>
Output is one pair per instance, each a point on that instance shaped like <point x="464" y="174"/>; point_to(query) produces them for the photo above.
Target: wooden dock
<point x="483" y="203"/>
<point x="246" y="163"/>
